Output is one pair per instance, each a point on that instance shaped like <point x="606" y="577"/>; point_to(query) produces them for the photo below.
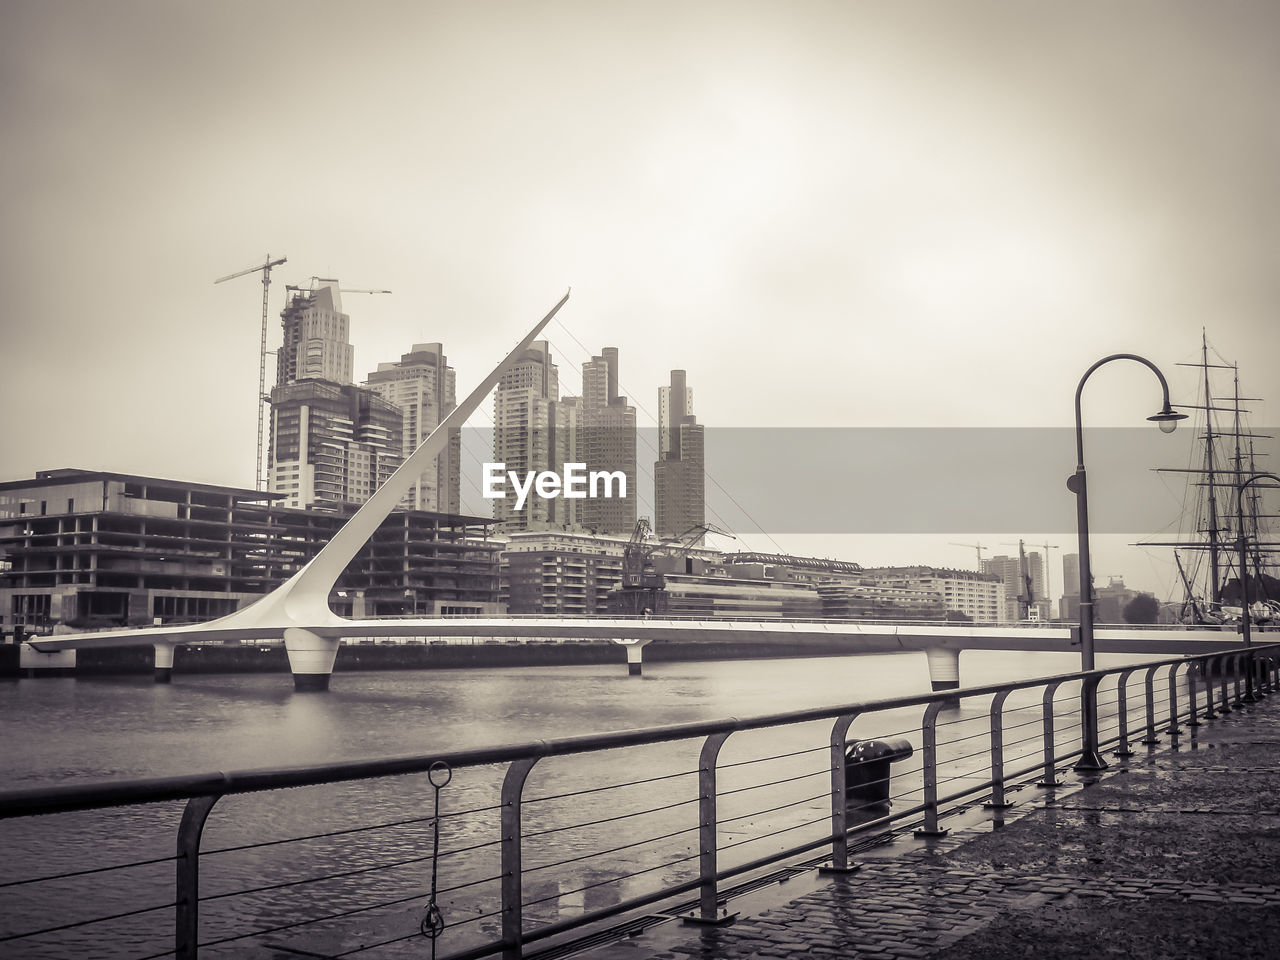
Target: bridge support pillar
<point x="45" y="663"/>
<point x="311" y="658"/>
<point x="635" y="655"/>
<point x="163" y="662"/>
<point x="944" y="668"/>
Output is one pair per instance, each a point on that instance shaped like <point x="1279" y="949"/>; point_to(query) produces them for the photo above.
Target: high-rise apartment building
<point x="317" y="337"/>
<point x="422" y="385"/>
<point x="331" y="441"/>
<point x="605" y="440"/>
<point x="1070" y="584"/>
<point x="679" y="478"/>
<point x="533" y="430"/>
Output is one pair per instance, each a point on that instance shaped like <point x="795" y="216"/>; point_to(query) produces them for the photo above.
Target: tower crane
<point x="974" y="546"/>
<point x="263" y="399"/>
<point x="315" y="280"/>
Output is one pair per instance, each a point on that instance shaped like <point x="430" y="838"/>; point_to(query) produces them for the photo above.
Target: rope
<point x="432" y="924"/>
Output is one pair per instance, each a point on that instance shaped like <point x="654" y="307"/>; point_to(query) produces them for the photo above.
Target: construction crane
<point x="641" y="584"/>
<point x="263" y="399"/>
<point x="973" y="546"/>
<point x="1048" y="579"/>
<point x="315" y="280"/>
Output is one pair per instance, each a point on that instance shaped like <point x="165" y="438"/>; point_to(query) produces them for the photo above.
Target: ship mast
<point x="1215" y="592"/>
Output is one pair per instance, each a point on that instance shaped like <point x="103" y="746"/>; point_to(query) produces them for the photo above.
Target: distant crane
<point x="1048" y="579"/>
<point x="315" y="280"/>
<point x="263" y="399"/>
<point x="641" y="584"/>
<point x="975" y="546"/>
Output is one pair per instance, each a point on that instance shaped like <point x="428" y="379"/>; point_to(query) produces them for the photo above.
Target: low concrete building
<point x="91" y="549"/>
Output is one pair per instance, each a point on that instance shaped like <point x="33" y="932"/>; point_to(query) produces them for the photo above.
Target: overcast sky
<point x="831" y="214"/>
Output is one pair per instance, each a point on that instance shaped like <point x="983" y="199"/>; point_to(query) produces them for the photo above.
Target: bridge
<point x="312" y="649"/>
<point x="298" y="613"/>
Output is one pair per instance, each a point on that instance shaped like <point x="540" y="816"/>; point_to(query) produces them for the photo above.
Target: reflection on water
<point x="579" y="852"/>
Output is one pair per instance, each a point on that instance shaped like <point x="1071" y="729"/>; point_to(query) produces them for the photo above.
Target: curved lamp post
<point x="1244" y="582"/>
<point x="1167" y="418"/>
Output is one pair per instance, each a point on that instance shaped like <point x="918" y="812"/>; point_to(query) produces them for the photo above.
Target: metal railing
<point x="620" y="821"/>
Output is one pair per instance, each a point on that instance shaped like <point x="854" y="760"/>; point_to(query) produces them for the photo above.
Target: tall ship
<point x="1207" y="551"/>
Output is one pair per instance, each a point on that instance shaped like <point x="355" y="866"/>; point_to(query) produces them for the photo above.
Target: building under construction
<point x="90" y="549"/>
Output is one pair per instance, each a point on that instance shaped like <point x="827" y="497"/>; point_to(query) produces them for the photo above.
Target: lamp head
<point x="1167" y="419"/>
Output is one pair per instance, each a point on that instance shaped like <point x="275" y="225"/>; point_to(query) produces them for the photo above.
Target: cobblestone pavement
<point x="1171" y="854"/>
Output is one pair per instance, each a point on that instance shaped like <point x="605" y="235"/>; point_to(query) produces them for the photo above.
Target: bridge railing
<point x="514" y="849"/>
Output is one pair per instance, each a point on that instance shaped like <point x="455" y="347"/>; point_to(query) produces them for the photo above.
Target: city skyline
<point x="926" y="215"/>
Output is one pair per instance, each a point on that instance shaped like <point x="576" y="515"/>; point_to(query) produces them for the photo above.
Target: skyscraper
<point x="605" y="440"/>
<point x="316" y="337"/>
<point x="679" y="480"/>
<point x="1069" y="604"/>
<point x="532" y="431"/>
<point x="331" y="441"/>
<point x="421" y="384"/>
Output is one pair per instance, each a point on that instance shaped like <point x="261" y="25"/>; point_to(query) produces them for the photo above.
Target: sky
<point x="835" y="215"/>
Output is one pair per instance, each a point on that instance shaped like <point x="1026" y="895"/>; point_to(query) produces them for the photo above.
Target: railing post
<point x="1173" y="729"/>
<point x="1122" y="707"/>
<point x="186" y="926"/>
<point x="997" y="802"/>
<point x="1237" y="674"/>
<point x="929" y="733"/>
<point x="1193" y="712"/>
<point x="839" y="797"/>
<point x="1152" y="738"/>
<point x="1209" y="712"/>
<point x="708" y="911"/>
<point x="512" y="886"/>
<point x="1050" y="778"/>
<point x="1222" y="672"/>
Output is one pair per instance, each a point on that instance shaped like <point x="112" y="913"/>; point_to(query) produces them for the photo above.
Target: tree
<point x="1144" y="608"/>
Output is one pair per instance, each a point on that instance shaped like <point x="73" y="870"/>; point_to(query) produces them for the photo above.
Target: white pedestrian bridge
<point x="298" y="613"/>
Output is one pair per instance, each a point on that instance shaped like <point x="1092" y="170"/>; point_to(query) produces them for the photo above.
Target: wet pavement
<point x="1174" y="852"/>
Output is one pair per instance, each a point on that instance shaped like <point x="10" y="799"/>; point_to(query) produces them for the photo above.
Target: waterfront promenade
<point x="1172" y="853"/>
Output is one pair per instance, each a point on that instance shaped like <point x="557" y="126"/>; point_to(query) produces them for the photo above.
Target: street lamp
<point x="1167" y="418"/>
<point x="1244" y="582"/>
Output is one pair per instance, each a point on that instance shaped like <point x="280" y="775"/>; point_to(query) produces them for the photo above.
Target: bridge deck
<point x="1173" y="854"/>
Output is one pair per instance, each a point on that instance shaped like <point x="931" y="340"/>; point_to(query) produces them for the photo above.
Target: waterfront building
<point x="727" y="595"/>
<point x="679" y="475"/>
<point x="331" y="444"/>
<point x="422" y="385"/>
<point x="317" y="341"/>
<point x="605" y="440"/>
<point x="879" y="598"/>
<point x="978" y="596"/>
<point x="91" y="549"/>
<point x="560" y="572"/>
<point x="533" y="431"/>
<point x="1108" y="602"/>
<point x="1024" y="585"/>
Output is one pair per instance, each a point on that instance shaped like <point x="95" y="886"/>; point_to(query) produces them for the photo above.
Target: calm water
<point x="67" y="731"/>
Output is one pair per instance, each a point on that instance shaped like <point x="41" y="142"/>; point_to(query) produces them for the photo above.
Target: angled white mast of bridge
<point x="303" y="599"/>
